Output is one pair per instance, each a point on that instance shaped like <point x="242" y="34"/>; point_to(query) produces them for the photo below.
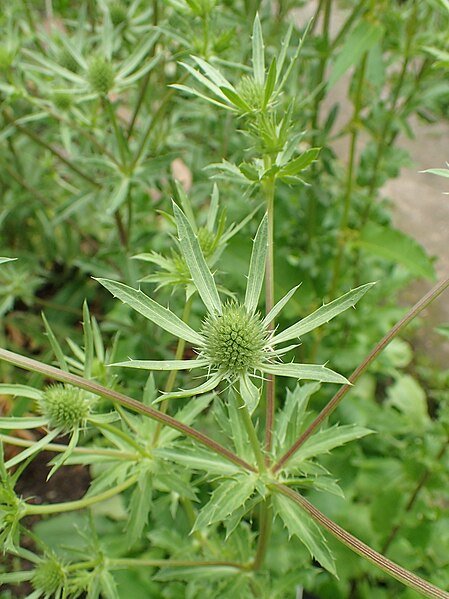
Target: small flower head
<point x="251" y="92"/>
<point x="234" y="342"/>
<point x="65" y="407"/>
<point x="101" y="75"/>
<point x="118" y="13"/>
<point x="49" y="577"/>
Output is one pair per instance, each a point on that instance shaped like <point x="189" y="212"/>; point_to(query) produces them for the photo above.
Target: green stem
<point x="172" y="563"/>
<point x="132" y="404"/>
<point x="350" y="175"/>
<point x="385" y="133"/>
<point x="252" y="435"/>
<point x="269" y="303"/>
<point x="404" y="576"/>
<point x="437" y="290"/>
<point x="118" y="133"/>
<point x="266" y="519"/>
<point x="146" y="79"/>
<point x="153" y="122"/>
<point x="79" y="504"/>
<point x="60" y="448"/>
<point x="174" y="373"/>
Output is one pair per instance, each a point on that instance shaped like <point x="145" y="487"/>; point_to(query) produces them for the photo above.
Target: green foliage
<point x="139" y="142"/>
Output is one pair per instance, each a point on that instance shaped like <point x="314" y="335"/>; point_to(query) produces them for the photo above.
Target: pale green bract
<point x="234" y="343"/>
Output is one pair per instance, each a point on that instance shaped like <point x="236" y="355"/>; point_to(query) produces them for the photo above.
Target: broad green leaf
<point x="200" y="572"/>
<point x="323" y="314"/>
<point x="279" y="306"/>
<point x="215" y="89"/>
<point x="300" y="163"/>
<point x="293" y="411"/>
<point x="363" y="37"/>
<point x="311" y="372"/>
<point x="299" y="523"/>
<point x="250" y="393"/>
<point x="187" y="415"/>
<point x="143" y="304"/>
<point x="236" y="99"/>
<point x="284" y="47"/>
<point x="108" y="585"/>
<point x="163" y="364"/>
<point x="201" y="275"/>
<point x="396" y="246"/>
<point x="88" y="341"/>
<point x="270" y="82"/>
<point x="197" y="458"/>
<point x="257" y="267"/>
<point x="35" y="448"/>
<point x="11" y="423"/>
<point x="227" y="497"/>
<point x="140" y="53"/>
<point x="55" y="345"/>
<point x="20" y="391"/>
<point x="327" y="439"/>
<point x="213" y="208"/>
<point x="194" y="92"/>
<point x="186" y="205"/>
<point x="213" y="74"/>
<point x="258" y="53"/>
<point x="139" y="507"/>
<point x="118" y="195"/>
<point x="442" y="172"/>
<point x="407" y="396"/>
<point x="208" y="385"/>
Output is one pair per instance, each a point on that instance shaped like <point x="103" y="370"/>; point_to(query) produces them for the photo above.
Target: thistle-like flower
<point x="235" y="343"/>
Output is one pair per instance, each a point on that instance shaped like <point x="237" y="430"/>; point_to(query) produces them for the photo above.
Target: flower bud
<point x="101" y="75"/>
<point x="66" y="407"/>
<point x="49" y="577"/>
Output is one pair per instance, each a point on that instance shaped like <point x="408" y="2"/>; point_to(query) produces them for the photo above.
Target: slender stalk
<point x="269" y="303"/>
<point x="119" y="563"/>
<point x="146" y="80"/>
<point x="60" y="448"/>
<point x="318" y="97"/>
<point x="350" y="175"/>
<point x="252" y="435"/>
<point x="266" y="519"/>
<point x="173" y="374"/>
<point x="121" y="230"/>
<point x="411" y="502"/>
<point x="35" y="137"/>
<point x="154" y="121"/>
<point x="128" y="402"/>
<point x="79" y="504"/>
<point x="437" y="290"/>
<point x="384" y="138"/>
<point x="398" y="572"/>
<point x="118" y="133"/>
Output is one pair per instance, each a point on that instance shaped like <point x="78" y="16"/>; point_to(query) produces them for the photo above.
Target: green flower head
<point x="65" y="407"/>
<point x="234" y="343"/>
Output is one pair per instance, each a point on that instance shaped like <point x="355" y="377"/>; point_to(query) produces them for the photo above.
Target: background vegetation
<point x="109" y="110"/>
